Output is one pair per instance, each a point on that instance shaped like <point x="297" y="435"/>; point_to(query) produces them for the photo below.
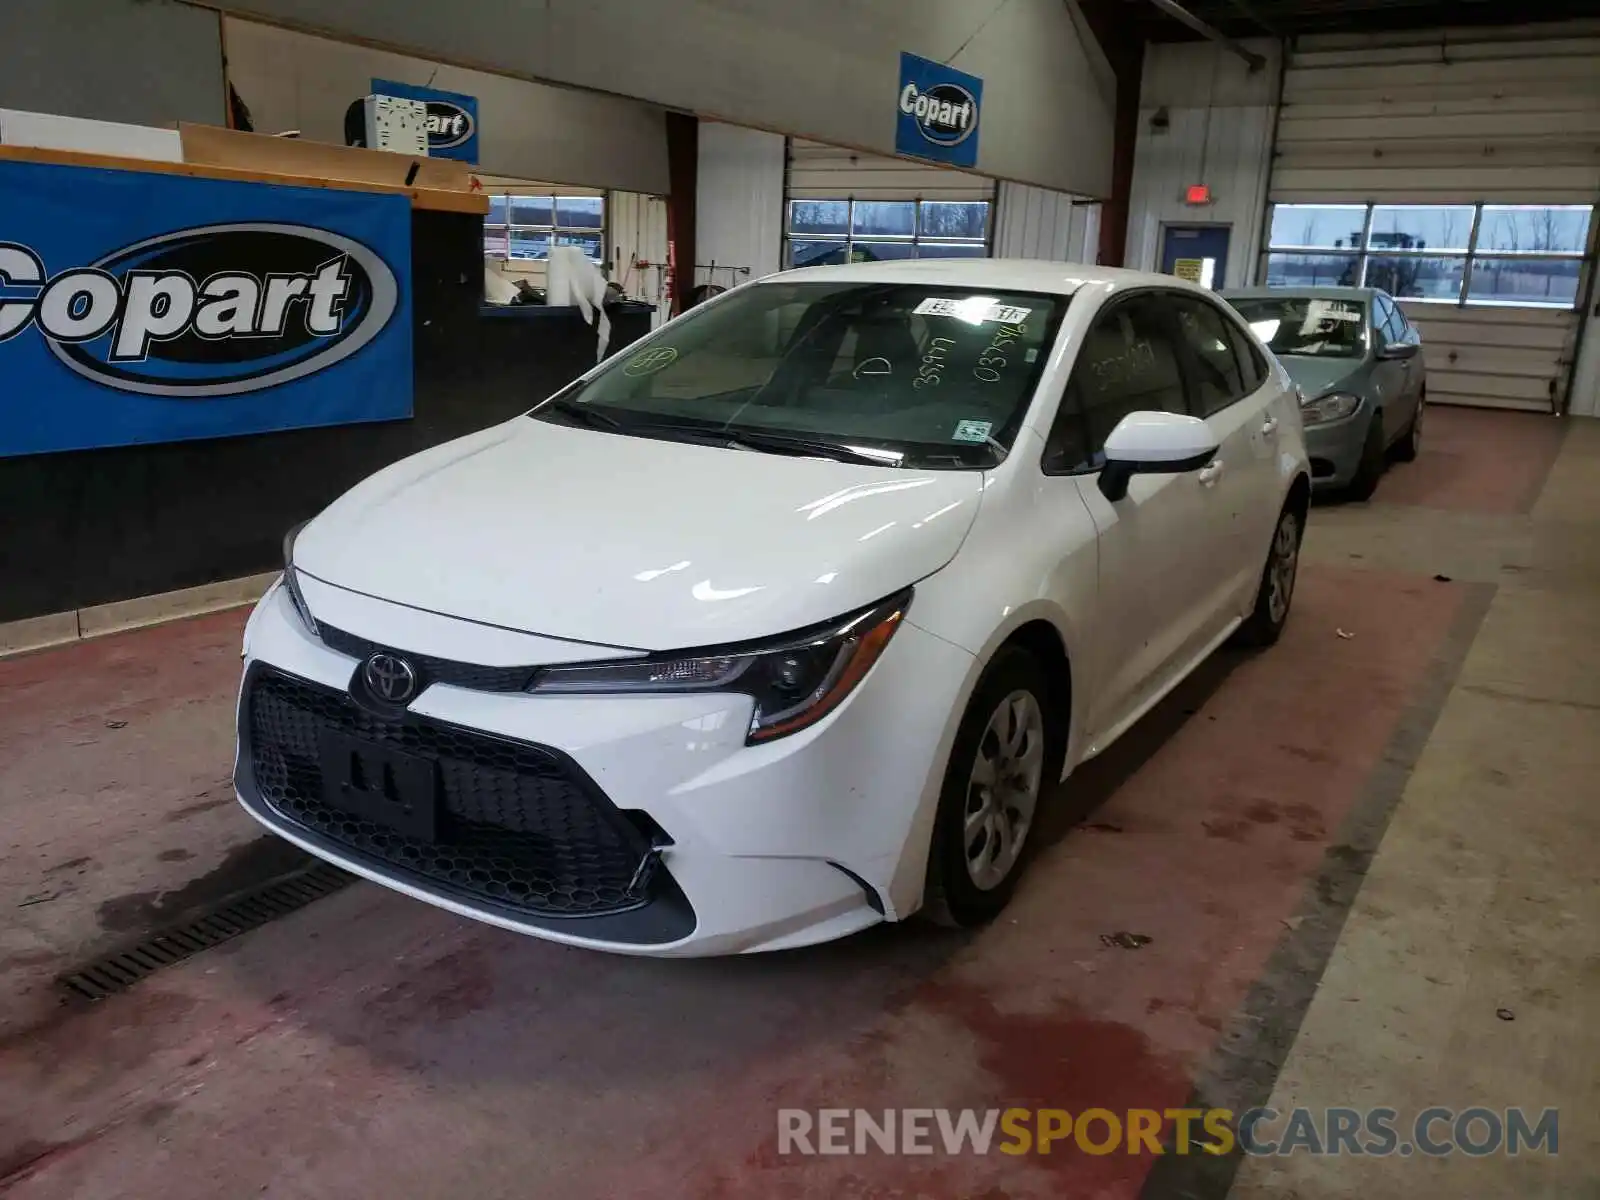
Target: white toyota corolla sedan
<point x="785" y="620"/>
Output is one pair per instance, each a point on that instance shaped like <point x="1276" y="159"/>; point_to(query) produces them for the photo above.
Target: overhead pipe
<point x="1179" y="13"/>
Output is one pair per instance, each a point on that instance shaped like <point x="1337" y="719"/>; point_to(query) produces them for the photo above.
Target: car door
<point x="1416" y="369"/>
<point x="1390" y="376"/>
<point x="1156" y="546"/>
<point x="1226" y="392"/>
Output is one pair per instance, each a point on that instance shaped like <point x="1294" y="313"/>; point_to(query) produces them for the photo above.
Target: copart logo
<point x="947" y="114"/>
<point x="217" y="310"/>
<point x="449" y="125"/>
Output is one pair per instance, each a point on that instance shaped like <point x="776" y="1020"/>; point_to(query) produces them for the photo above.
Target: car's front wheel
<point x="1265" y="622"/>
<point x="1007" y="752"/>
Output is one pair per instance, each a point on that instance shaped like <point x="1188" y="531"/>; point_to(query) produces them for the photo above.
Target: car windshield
<point x="919" y="374"/>
<point x="1308" y="325"/>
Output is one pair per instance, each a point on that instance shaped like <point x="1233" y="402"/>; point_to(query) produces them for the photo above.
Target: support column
<point x="683" y="169"/>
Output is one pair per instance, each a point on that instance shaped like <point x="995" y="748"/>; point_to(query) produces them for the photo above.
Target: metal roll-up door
<point x="822" y="172"/>
<point x="1033" y="222"/>
<point x="1469" y="117"/>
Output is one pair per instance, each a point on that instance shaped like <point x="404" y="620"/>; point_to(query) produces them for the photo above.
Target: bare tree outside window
<point x="1506" y="254"/>
<point x="827" y="232"/>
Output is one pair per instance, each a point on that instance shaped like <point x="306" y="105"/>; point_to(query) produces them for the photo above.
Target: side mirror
<point x="1154" y="443"/>
<point x="1390" y="351"/>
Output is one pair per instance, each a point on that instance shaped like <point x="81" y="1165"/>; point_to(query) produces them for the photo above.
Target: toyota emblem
<point x="391" y="678"/>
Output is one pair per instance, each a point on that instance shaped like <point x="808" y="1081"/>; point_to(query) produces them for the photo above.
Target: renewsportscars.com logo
<point x="214" y="310"/>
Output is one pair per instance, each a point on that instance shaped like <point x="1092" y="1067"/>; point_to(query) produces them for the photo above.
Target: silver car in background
<point x="1359" y="365"/>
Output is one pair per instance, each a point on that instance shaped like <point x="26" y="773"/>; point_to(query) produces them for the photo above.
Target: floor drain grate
<point x="238" y="914"/>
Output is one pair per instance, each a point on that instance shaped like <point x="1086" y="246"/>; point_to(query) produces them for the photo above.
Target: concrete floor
<point x="1348" y="853"/>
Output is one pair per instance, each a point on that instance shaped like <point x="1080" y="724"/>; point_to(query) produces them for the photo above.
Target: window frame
<point x="554" y="230"/>
<point x="1474" y="254"/>
<point x="916" y="239"/>
<point x="1169" y="320"/>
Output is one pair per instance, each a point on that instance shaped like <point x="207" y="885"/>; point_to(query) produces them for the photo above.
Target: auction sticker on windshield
<point x="1330" y="310"/>
<point x="978" y="310"/>
<point x="972" y="431"/>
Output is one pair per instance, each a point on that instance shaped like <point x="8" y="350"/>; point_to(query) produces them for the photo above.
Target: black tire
<point x="1265" y="623"/>
<point x="1370" y="469"/>
<point x="953" y="897"/>
<point x="1410" y="443"/>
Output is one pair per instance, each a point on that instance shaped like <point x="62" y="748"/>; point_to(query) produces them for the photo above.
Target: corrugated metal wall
<point x="1215" y="127"/>
<point x="738" y="204"/>
<point x="820" y="172"/>
<point x="637" y="233"/>
<point x="1503" y="116"/>
<point x="1034" y="222"/>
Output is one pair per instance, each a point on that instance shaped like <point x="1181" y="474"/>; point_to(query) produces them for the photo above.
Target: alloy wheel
<point x="1285" y="565"/>
<point x="1003" y="789"/>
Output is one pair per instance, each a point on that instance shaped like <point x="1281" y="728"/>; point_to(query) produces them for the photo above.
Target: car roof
<point x="1314" y="293"/>
<point x="999" y="274"/>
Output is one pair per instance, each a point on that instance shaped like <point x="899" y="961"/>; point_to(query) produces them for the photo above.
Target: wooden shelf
<point x="211" y="152"/>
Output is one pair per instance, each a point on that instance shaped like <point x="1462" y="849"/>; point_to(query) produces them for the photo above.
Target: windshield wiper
<point x="777" y="443"/>
<point x="586" y="413"/>
<point x="770" y="443"/>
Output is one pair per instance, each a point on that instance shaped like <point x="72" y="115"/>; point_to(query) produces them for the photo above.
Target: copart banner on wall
<point x="138" y="307"/>
<point x="939" y="112"/>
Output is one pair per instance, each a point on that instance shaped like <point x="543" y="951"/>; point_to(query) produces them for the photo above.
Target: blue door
<point x="1198" y="253"/>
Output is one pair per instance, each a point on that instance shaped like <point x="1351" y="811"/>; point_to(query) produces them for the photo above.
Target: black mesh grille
<point x="517" y="826"/>
<point x="430" y="669"/>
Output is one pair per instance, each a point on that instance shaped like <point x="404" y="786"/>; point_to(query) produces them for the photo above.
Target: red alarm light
<point x="1198" y="193"/>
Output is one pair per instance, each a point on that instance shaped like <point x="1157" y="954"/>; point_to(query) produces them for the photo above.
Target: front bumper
<point x="742" y="848"/>
<point x="1335" y="448"/>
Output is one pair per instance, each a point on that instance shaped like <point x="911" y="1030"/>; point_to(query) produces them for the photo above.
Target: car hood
<point x="1317" y="376"/>
<point x="633" y="542"/>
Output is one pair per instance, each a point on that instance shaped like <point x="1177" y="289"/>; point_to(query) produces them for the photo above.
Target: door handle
<point x="1211" y="472"/>
<point x="1269" y="426"/>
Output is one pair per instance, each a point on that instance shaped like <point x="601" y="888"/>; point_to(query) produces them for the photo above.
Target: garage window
<point x="825" y="232"/>
<point x="1528" y="255"/>
<point x="523" y="227"/>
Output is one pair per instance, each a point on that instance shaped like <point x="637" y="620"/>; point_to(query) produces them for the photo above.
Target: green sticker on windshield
<point x="972" y="431"/>
<point x="648" y="362"/>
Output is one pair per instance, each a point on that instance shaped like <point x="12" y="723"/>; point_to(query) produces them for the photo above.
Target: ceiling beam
<point x="1249" y="13"/>
<point x="1181" y="14"/>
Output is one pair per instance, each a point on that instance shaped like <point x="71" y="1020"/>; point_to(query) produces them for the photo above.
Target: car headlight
<point x="291" y="582"/>
<point x="1335" y="406"/>
<point x="795" y="681"/>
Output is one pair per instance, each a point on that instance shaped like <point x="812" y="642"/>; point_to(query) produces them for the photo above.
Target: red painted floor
<point x="115" y="786"/>
<point x="1477" y="460"/>
<point x="370" y="1045"/>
